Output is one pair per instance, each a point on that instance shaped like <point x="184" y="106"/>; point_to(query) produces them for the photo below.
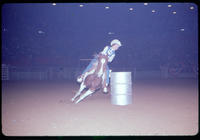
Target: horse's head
<point x="96" y="78"/>
<point x="102" y="63"/>
<point x="103" y="58"/>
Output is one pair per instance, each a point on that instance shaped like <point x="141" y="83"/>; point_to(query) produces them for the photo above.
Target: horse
<point x="94" y="79"/>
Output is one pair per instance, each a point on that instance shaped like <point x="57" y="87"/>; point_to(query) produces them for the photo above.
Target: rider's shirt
<point x="110" y="52"/>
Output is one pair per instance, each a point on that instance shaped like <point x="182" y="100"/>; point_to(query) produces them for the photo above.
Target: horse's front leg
<point x="79" y="91"/>
<point x="89" y="92"/>
<point x="104" y="85"/>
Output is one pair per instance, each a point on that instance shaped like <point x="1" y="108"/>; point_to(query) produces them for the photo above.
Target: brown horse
<point x="94" y="79"/>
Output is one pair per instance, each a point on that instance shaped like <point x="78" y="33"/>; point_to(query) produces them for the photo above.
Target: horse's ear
<point x="95" y="55"/>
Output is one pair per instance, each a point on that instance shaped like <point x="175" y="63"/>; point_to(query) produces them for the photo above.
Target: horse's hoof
<point x="76" y="102"/>
<point x="72" y="99"/>
<point x="105" y="90"/>
<point x="79" y="80"/>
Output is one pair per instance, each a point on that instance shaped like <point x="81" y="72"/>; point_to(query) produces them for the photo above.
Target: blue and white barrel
<point x="121" y="88"/>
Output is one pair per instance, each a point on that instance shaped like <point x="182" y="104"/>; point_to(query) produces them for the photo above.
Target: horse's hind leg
<point x="79" y="92"/>
<point x="89" y="92"/>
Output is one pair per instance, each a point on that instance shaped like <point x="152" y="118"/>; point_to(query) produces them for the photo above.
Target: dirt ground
<point x="160" y="107"/>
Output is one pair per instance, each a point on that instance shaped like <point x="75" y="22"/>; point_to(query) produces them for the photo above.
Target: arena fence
<point x="68" y="73"/>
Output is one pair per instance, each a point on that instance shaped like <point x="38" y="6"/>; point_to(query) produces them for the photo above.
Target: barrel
<point x="121" y="88"/>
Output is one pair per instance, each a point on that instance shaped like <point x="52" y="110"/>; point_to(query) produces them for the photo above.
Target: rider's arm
<point x="111" y="58"/>
<point x="105" y="50"/>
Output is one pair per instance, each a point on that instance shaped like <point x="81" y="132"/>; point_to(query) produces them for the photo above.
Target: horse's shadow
<point x="64" y="101"/>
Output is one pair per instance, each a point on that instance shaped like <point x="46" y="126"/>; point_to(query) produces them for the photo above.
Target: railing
<point x="5" y="72"/>
<point x="67" y="73"/>
<point x="41" y="73"/>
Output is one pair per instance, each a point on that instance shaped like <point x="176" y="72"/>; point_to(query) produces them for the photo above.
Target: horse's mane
<point x="95" y="55"/>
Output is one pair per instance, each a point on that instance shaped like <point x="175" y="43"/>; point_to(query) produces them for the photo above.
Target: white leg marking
<point x="103" y="77"/>
<point x="79" y="92"/>
<point x="105" y="90"/>
<point x="84" y="95"/>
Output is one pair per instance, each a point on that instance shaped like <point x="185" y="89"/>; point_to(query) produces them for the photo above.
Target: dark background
<point x="43" y="34"/>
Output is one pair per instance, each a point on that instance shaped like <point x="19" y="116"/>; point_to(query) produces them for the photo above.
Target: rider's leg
<point x="89" y="66"/>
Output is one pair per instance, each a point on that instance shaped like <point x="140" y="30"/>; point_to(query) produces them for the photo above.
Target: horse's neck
<point x="99" y="67"/>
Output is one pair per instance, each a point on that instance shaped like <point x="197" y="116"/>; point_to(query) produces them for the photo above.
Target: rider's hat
<point x="115" y="41"/>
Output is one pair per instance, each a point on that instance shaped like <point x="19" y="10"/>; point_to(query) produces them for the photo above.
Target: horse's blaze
<point x="103" y="61"/>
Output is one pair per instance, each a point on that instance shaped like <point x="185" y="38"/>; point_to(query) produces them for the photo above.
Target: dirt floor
<point x="160" y="107"/>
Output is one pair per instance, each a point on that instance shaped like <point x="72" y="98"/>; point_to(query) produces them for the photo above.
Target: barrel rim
<point x="121" y="94"/>
<point x="122" y="72"/>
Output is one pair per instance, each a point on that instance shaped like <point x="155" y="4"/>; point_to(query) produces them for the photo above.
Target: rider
<point x="110" y="51"/>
